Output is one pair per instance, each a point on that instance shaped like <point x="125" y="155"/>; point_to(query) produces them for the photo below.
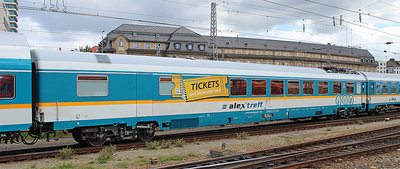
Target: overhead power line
<point x="314" y="13"/>
<point x="359" y="12"/>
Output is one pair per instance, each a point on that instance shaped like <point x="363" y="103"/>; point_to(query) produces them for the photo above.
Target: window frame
<point x="270" y="88"/>
<point x="287" y="84"/>
<point x="230" y="87"/>
<point x="387" y="87"/>
<point x="353" y="87"/>
<point x="333" y="87"/>
<point x="147" y="45"/>
<point x="14" y="90"/>
<point x="159" y="80"/>
<point x="264" y="87"/>
<point x="176" y="48"/>
<point x="313" y="87"/>
<point x="136" y="45"/>
<point x="121" y="43"/>
<point x="327" y="86"/>
<point x="108" y="84"/>
<point x="393" y="84"/>
<point x="378" y="86"/>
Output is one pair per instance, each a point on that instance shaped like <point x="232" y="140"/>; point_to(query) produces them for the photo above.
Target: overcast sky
<point x="267" y="19"/>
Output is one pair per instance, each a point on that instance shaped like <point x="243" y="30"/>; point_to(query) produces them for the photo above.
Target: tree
<point x="85" y="49"/>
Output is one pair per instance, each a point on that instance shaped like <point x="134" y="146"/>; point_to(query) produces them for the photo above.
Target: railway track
<point x="306" y="154"/>
<point x="46" y="152"/>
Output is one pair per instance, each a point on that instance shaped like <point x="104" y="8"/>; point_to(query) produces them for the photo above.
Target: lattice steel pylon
<point x="213" y="32"/>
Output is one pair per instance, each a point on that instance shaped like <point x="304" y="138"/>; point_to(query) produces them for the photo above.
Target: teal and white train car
<point x="98" y="96"/>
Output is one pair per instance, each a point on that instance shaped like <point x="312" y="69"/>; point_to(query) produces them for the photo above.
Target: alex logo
<point x="240" y="106"/>
<point x="344" y="100"/>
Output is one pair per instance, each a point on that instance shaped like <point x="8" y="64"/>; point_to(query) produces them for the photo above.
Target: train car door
<point x="144" y="91"/>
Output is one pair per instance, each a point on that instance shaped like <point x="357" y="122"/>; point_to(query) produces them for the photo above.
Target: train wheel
<point x="146" y="134"/>
<point x="95" y="142"/>
<point x="78" y="138"/>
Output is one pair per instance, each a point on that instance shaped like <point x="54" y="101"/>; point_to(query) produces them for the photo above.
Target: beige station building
<point x="181" y="42"/>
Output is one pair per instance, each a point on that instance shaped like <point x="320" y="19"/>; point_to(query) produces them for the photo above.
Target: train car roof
<point x="79" y="61"/>
<point x="382" y="76"/>
<point x="13" y="46"/>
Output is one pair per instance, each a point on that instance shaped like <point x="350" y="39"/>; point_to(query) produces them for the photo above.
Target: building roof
<point x="392" y="63"/>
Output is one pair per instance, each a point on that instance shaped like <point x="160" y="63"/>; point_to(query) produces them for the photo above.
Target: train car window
<point x="277" y="87"/>
<point x="308" y="87"/>
<point x="393" y="88"/>
<point x="7" y="86"/>
<point x="337" y="87"/>
<point x="385" y="88"/>
<point x="378" y="88"/>
<point x="165" y="86"/>
<point x="92" y="86"/>
<point x="359" y="88"/>
<point x="349" y="87"/>
<point x="238" y="87"/>
<point x="323" y="87"/>
<point x="293" y="87"/>
<point x="371" y="91"/>
<point x="258" y="87"/>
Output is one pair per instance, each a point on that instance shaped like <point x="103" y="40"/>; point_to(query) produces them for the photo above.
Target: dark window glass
<point x="385" y="88"/>
<point x="202" y="47"/>
<point x="350" y="87"/>
<point x="276" y="87"/>
<point x="238" y="87"/>
<point x="293" y="87"/>
<point x="337" y="87"/>
<point x="393" y="88"/>
<point x="308" y="87"/>
<point x="190" y="46"/>
<point x="7" y="84"/>
<point x="258" y="87"/>
<point x="121" y="43"/>
<point x="323" y="87"/>
<point x="378" y="88"/>
<point x="371" y="90"/>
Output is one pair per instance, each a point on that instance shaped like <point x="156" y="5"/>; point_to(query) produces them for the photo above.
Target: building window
<point x="277" y="87"/>
<point x="12" y="13"/>
<point x="7" y="86"/>
<point x="259" y="52"/>
<point x="300" y="64"/>
<point x="293" y="87"/>
<point x="238" y="51"/>
<point x="92" y="86"/>
<point x="136" y="45"/>
<point x="165" y="85"/>
<point x="249" y="52"/>
<point x="308" y="87"/>
<point x="121" y="43"/>
<point x="337" y="87"/>
<point x="177" y="46"/>
<point x="147" y="45"/>
<point x="202" y="47"/>
<point x="238" y="87"/>
<point x="323" y="87"/>
<point x="277" y="63"/>
<point x="189" y="46"/>
<point x="350" y="88"/>
<point x="258" y="87"/>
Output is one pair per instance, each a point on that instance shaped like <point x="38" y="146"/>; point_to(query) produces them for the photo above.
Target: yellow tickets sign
<point x="200" y="88"/>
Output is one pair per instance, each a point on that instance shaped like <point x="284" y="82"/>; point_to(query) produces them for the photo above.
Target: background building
<point x="393" y="66"/>
<point x="4" y="18"/>
<point x="381" y="68"/>
<point x="9" y="12"/>
<point x="182" y="42"/>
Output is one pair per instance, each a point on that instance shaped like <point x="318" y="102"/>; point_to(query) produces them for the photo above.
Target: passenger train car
<point x="98" y="96"/>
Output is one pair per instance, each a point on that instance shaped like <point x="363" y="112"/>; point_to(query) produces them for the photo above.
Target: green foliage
<point x="66" y="153"/>
<point x="196" y="141"/>
<point x="360" y="122"/>
<point x="32" y="166"/>
<point x="242" y="136"/>
<point x="192" y="155"/>
<point x="84" y="49"/>
<point x="179" y="142"/>
<point x="140" y="157"/>
<point x="166" y="143"/>
<point x="65" y="166"/>
<point x="329" y="129"/>
<point x="152" y="145"/>
<point x="106" y="153"/>
<point x="91" y="162"/>
<point x="142" y="161"/>
<point x="122" y="165"/>
<point x="170" y="158"/>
